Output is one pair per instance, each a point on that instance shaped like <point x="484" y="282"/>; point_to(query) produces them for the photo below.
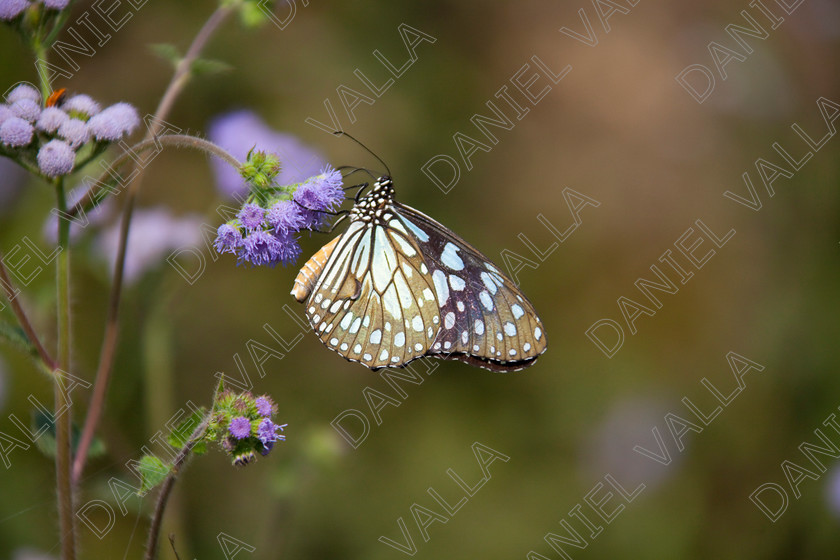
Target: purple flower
<point x="81" y="103"/>
<point x="23" y="91"/>
<point x="10" y="9"/>
<point x="75" y="132"/>
<point x="114" y="122"/>
<point x="267" y="432"/>
<point x="56" y="4"/>
<point x="251" y="216"/>
<point x="51" y="118"/>
<point x="288" y="250"/>
<point x="154" y="234"/>
<point x="5" y="113"/>
<point x="56" y="158"/>
<point x="240" y="131"/>
<point x="265" y="406"/>
<point x="320" y="193"/>
<point x="228" y="239"/>
<point x="285" y="216"/>
<point x="260" y="248"/>
<point x="26" y="109"/>
<point x="16" y="132"/>
<point x="240" y="427"/>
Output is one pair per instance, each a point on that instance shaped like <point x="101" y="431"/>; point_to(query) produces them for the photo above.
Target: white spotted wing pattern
<point x="397" y="286"/>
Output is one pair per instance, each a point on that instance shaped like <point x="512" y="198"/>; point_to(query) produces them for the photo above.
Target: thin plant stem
<point x="62" y="404"/>
<point x="109" y="340"/>
<point x="169" y="483"/>
<point x="23" y="319"/>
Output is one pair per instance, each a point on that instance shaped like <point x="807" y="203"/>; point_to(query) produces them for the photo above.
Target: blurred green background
<point x="619" y="129"/>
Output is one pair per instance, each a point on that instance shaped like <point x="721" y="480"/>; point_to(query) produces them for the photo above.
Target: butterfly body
<point x="397" y="286"/>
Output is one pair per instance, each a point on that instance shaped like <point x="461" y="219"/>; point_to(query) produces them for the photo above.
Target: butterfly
<point x="397" y="286"/>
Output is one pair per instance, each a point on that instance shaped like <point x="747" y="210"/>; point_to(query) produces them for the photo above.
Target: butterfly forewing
<point x="485" y="319"/>
<point x="374" y="301"/>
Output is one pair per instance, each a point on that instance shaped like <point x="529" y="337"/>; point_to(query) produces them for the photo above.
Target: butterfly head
<point x="373" y="206"/>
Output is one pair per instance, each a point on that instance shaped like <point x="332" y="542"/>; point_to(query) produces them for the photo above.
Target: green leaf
<point x="181" y="434"/>
<point x="167" y="52"/>
<point x="153" y="471"/>
<point x="206" y="66"/>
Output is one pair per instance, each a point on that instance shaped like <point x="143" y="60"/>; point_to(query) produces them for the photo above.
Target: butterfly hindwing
<point x="485" y="319"/>
<point x="374" y="301"/>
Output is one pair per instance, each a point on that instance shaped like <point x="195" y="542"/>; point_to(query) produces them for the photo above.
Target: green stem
<point x="109" y="340"/>
<point x="43" y="71"/>
<point x="62" y="404"/>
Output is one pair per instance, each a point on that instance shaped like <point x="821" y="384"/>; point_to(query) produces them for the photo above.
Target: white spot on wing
<point x="441" y="288"/>
<point x="417" y="323"/>
<point x="376" y="336"/>
<point x="510" y="329"/>
<point x="449" y="320"/>
<point x="456" y="282"/>
<point x="345" y="322"/>
<point x="488" y="281"/>
<point x="517" y="310"/>
<point x="486" y="300"/>
<point x="479" y="326"/>
<point x="537" y="333"/>
<point x="399" y="339"/>
<point x="450" y="257"/>
<point x="418" y="233"/>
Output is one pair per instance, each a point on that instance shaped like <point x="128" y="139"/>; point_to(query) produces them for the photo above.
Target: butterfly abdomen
<point x="308" y="275"/>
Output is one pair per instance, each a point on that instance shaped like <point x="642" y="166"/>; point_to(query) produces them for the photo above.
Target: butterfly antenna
<point x="368" y="150"/>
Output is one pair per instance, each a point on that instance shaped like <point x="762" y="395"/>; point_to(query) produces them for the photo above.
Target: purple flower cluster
<point x="56" y="133"/>
<point x="11" y="9"/>
<point x="263" y="233"/>
<point x="242" y="425"/>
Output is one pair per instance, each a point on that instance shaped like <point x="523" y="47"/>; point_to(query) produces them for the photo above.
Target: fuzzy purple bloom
<point x="56" y="158"/>
<point x="288" y="250"/>
<point x="320" y="193"/>
<point x="10" y="9"/>
<point x="82" y="103"/>
<point x="75" y="132"/>
<point x="16" y="132"/>
<point x="26" y="109"/>
<point x="23" y="91"/>
<point x="251" y="216"/>
<point x="286" y="217"/>
<point x="239" y="131"/>
<point x="228" y="239"/>
<point x="267" y="432"/>
<point x="114" y="122"/>
<point x="260" y="248"/>
<point x="5" y="113"/>
<point x="56" y="4"/>
<point x="240" y="427"/>
<point x="50" y="119"/>
<point x="264" y="406"/>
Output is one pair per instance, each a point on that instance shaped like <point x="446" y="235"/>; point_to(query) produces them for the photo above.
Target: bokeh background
<point x="618" y="129"/>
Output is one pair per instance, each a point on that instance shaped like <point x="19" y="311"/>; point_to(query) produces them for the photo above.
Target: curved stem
<point x="109" y="342"/>
<point x="166" y="489"/>
<point x="62" y="403"/>
<point x="174" y="140"/>
<point x="23" y="319"/>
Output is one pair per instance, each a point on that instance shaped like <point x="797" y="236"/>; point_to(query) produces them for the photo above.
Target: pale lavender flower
<point x="75" y="132"/>
<point x="51" y="118"/>
<point x="10" y="9"/>
<point x="5" y="113"/>
<point x="154" y="234"/>
<point x="16" y="132"/>
<point x="114" y="122"/>
<point x="22" y="91"/>
<point x="285" y="216"/>
<point x="267" y="431"/>
<point x="56" y="158"/>
<point x="81" y="103"/>
<point x="260" y="248"/>
<point x="288" y="251"/>
<point x="240" y="131"/>
<point x="320" y="193"/>
<point x="265" y="406"/>
<point x="228" y="239"/>
<point x="56" y="4"/>
<point x="240" y="427"/>
<point x="26" y="109"/>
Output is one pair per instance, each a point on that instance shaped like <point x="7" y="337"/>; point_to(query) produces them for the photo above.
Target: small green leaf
<point x="42" y="421"/>
<point x="153" y="471"/>
<point x="181" y="434"/>
<point x="166" y="52"/>
<point x="206" y="66"/>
